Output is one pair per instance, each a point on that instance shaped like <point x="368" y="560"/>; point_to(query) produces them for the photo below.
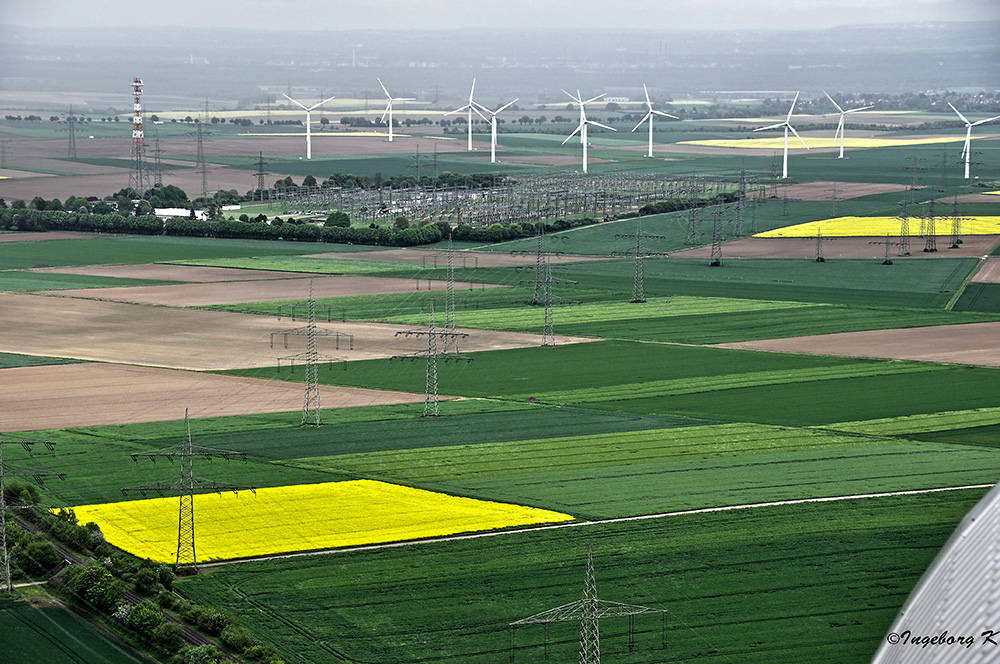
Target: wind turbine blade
<point x="383" y="87"/>
<point x="576" y="99"/>
<point x="666" y="115"/>
<point x="473" y="90"/>
<point x="388" y="107"/>
<point x="648" y="116"/>
<point x="578" y="128"/>
<point x="457" y="110"/>
<point x="860" y="108"/>
<point x="792" y="108"/>
<point x="976" y="124"/>
<point x="404" y="99"/>
<point x="477" y="112"/>
<point x="798" y="137"/>
<point x="598" y="124"/>
<point x="774" y="126"/>
<point x="959" y="114"/>
<point x="315" y="106"/>
<point x="833" y="102"/>
<point x="648" y="103"/>
<point x="294" y="102"/>
<point x="592" y="99"/>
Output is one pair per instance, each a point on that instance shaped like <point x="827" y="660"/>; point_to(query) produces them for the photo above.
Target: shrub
<point x="38" y="557"/>
<point x="169" y="637"/>
<point x="339" y="219"/>
<point x="237" y="639"/>
<point x="144" y="619"/>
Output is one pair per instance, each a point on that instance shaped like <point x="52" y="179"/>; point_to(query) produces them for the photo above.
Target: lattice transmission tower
<point x="5" y="472"/>
<point x="640" y="253"/>
<point x="956" y="224"/>
<point x="717" y="233"/>
<point x="311" y="413"/>
<point x="589" y="611"/>
<point x="186" y="486"/>
<point x="431" y="355"/>
<point x="139" y="176"/>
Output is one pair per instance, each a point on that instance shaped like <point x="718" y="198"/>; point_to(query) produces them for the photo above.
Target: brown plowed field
<point x="989" y="272"/>
<point x="165" y="272"/>
<point x="264" y="290"/>
<point x="76" y="395"/>
<point x="827" y="191"/>
<point x="974" y="343"/>
<point x="169" y="337"/>
<point x="842" y="247"/>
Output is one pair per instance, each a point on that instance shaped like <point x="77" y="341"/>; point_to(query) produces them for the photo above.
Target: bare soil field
<point x="160" y="336"/>
<point x="432" y="257"/>
<point x="164" y="272"/>
<point x="27" y="236"/>
<point x="265" y="290"/>
<point x="972" y="198"/>
<point x="989" y="273"/>
<point x="825" y="191"/>
<point x="88" y="394"/>
<point x="974" y="343"/>
<point x="842" y="247"/>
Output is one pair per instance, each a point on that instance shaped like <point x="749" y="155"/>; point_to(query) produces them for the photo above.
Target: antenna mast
<point x="138" y="178"/>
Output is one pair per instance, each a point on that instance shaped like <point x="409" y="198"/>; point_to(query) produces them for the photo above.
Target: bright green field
<point x="807" y="583"/>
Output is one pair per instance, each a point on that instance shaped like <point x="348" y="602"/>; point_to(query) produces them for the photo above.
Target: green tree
<point x="144" y="619"/>
<point x="38" y="557"/>
<point x="169" y="637"/>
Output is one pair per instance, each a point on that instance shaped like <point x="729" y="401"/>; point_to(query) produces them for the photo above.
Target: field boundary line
<point x="965" y="283"/>
<point x="596" y="522"/>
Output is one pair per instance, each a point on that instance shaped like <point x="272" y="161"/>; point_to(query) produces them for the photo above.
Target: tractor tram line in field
<point x="595" y="522"/>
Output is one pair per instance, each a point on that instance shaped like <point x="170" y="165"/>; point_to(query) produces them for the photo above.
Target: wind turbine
<point x="493" y="128"/>
<point x="840" y="125"/>
<point x="582" y="127"/>
<point x="471" y="107"/>
<point x="967" y="150"/>
<point x="388" y="107"/>
<point x="787" y="126"/>
<point x="309" y="145"/>
<point x="649" y="116"/>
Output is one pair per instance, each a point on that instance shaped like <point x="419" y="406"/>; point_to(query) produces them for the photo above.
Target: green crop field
<point x="694" y="472"/>
<point x="49" y="632"/>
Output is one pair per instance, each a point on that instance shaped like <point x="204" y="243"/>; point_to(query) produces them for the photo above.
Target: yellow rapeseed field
<point x="882" y="226"/>
<point x="301" y="518"/>
<point x="778" y="142"/>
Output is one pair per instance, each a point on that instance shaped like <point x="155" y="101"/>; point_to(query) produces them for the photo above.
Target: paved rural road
<point x="578" y="524"/>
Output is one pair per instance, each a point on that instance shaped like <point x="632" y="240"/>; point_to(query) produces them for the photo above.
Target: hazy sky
<point x="547" y="14"/>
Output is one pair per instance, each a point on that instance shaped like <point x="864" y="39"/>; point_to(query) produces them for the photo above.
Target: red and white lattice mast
<point x="139" y="178"/>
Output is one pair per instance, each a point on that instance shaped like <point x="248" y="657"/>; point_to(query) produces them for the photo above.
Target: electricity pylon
<point x="185" y="487"/>
<point x="38" y="476"/>
<point x="588" y="612"/>
<point x="431" y="355"/>
<point x="639" y="279"/>
<point x="311" y="404"/>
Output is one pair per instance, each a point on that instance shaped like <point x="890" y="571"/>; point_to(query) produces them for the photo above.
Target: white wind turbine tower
<point x="967" y="150"/>
<point x="309" y="145"/>
<point x="649" y="117"/>
<point x="840" y="125"/>
<point x="582" y="127"/>
<point x="493" y="128"/>
<point x="471" y="107"/>
<point x="787" y="126"/>
<point x="388" y="107"/>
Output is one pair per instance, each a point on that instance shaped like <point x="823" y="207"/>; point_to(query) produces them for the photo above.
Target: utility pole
<point x="186" y="486"/>
<point x="38" y="476"/>
<point x="588" y="612"/>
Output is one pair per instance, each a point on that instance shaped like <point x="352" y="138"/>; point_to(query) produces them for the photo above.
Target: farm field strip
<point x="920" y="422"/>
<point x="731" y="381"/>
<point x="327" y="266"/>
<point x="882" y="226"/>
<point x="817" y="142"/>
<point x="300" y="517"/>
